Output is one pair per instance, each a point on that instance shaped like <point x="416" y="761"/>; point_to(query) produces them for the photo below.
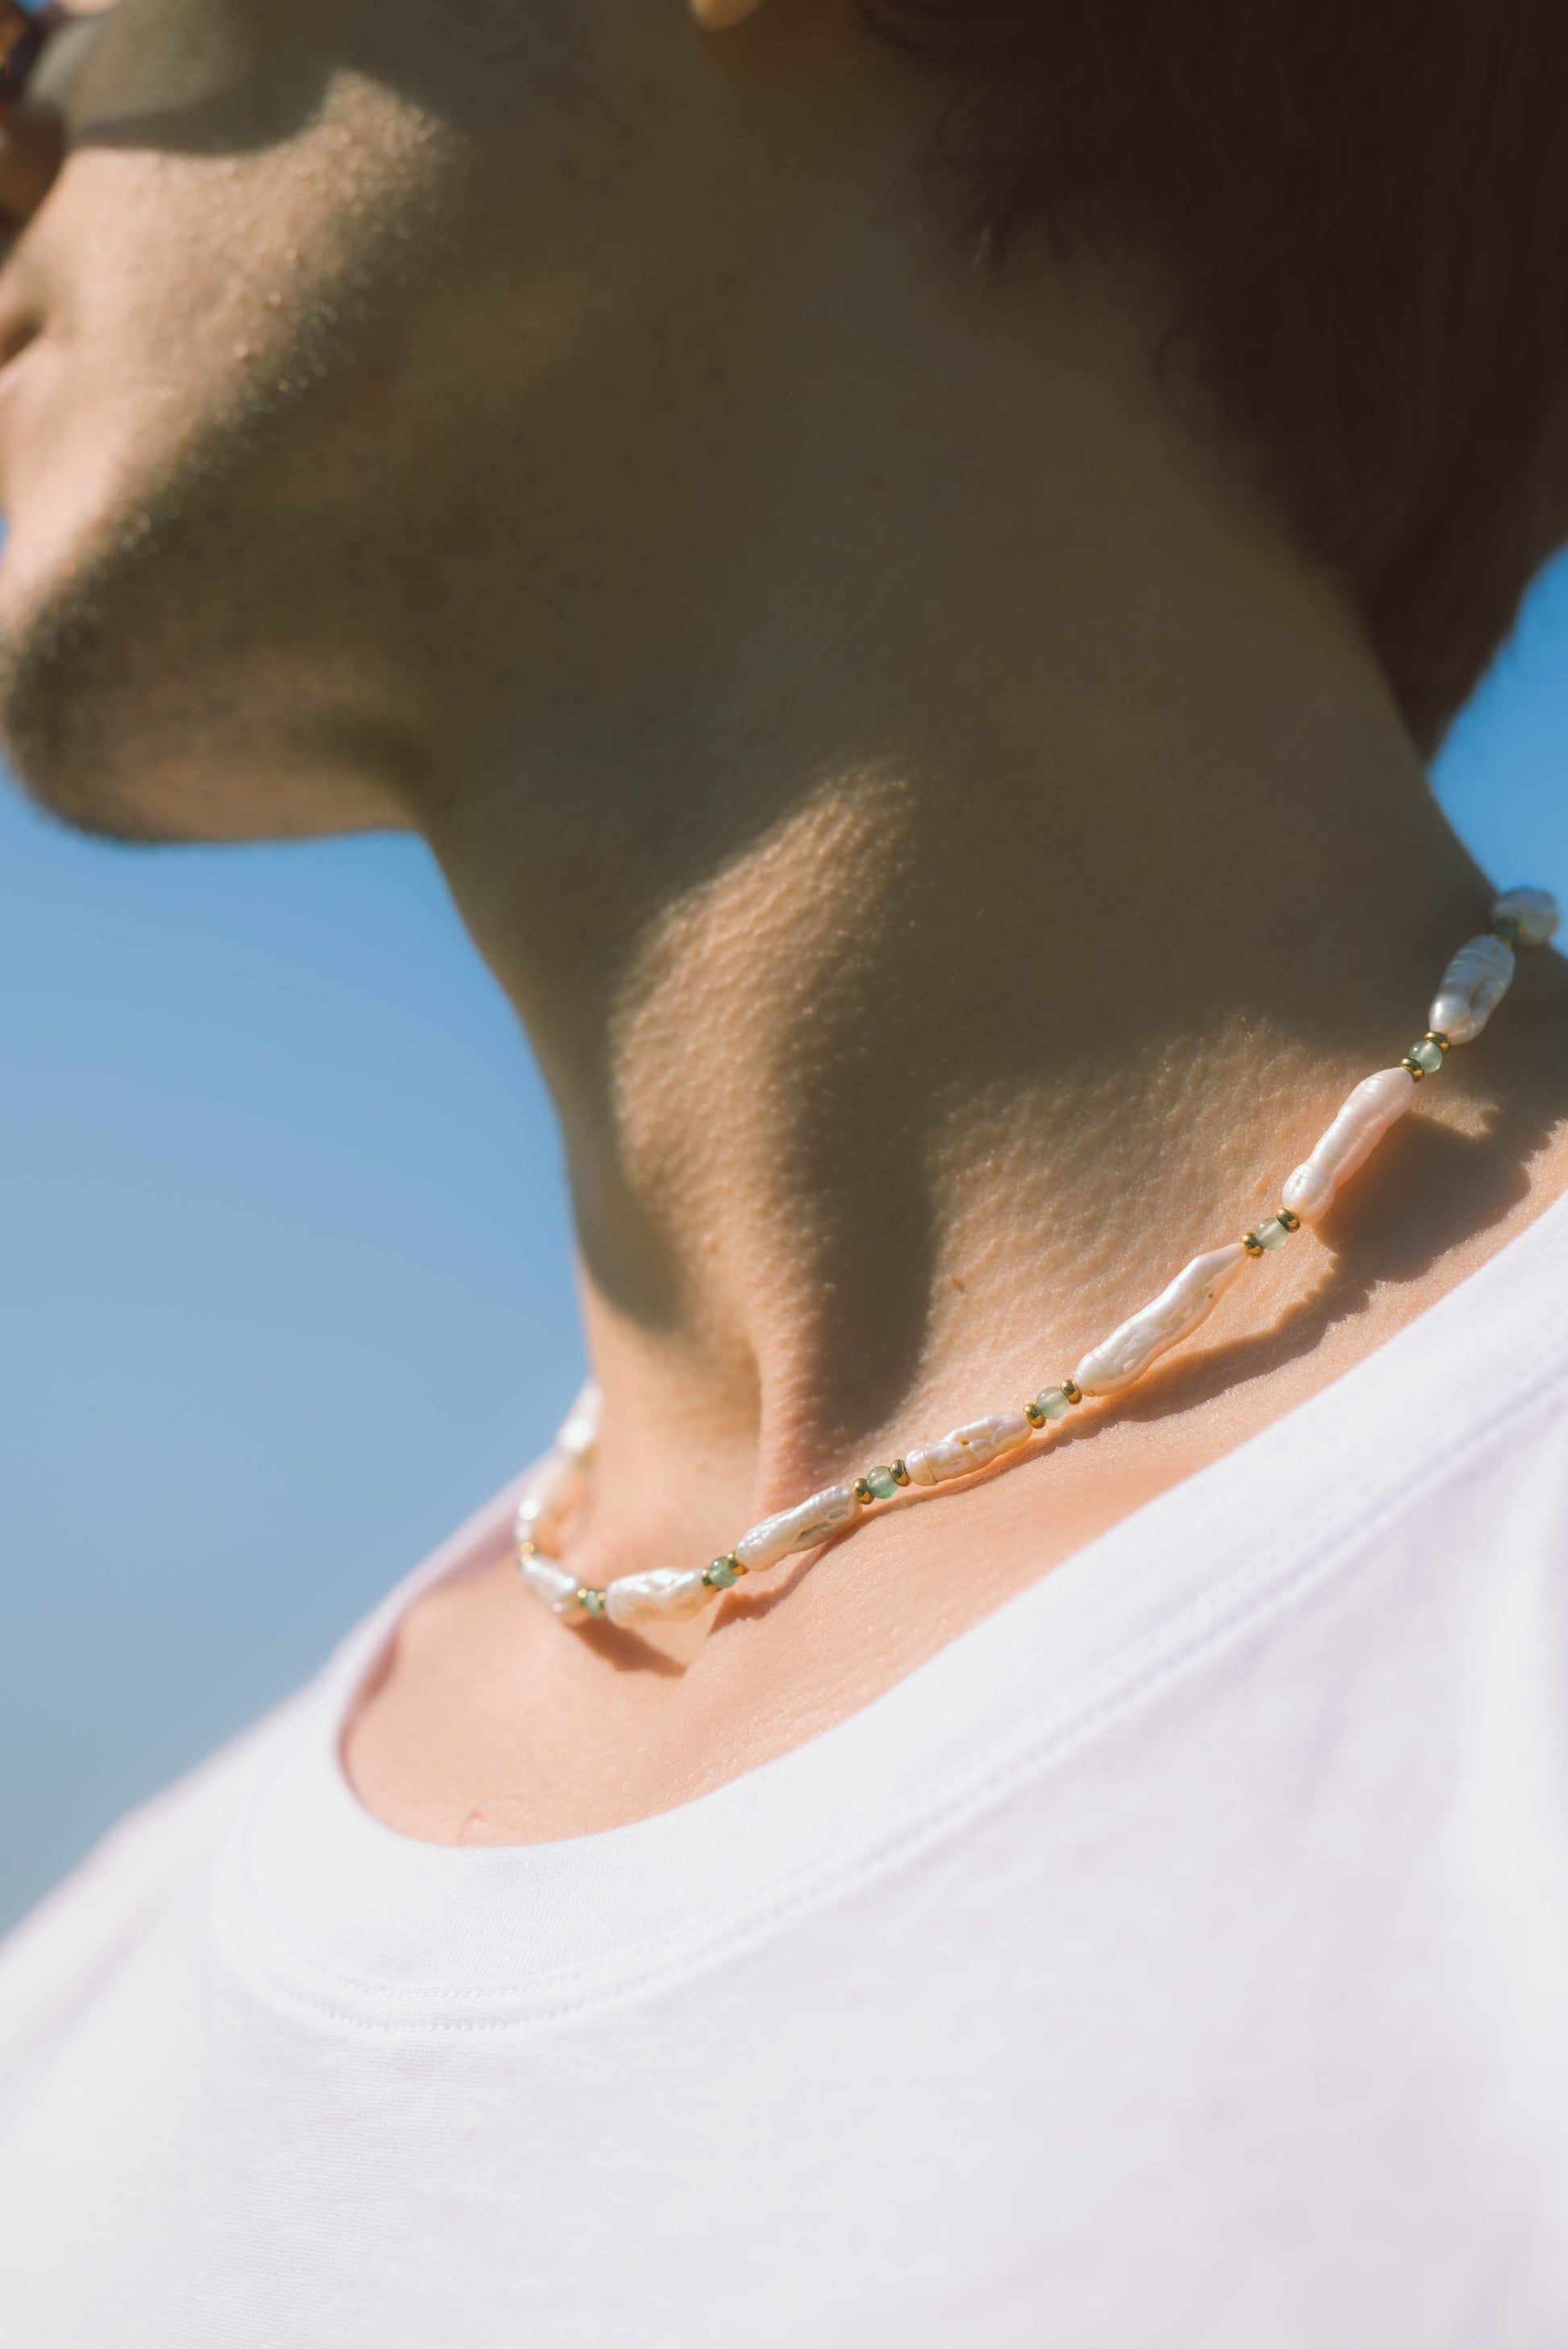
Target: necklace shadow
<point x="627" y="1651"/>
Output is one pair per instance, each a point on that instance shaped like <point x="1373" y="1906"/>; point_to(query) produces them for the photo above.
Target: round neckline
<point x="325" y="1907"/>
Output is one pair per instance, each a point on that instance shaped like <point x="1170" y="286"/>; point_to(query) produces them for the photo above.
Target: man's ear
<point x="716" y="14"/>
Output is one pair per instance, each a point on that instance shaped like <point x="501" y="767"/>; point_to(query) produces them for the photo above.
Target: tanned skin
<point x="950" y="849"/>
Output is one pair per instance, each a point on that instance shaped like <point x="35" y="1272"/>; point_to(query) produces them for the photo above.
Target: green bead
<point x="721" y="1574"/>
<point x="592" y="1601"/>
<point x="1272" y="1234"/>
<point x="1053" y="1403"/>
<point x="1428" y="1055"/>
<point x="882" y="1482"/>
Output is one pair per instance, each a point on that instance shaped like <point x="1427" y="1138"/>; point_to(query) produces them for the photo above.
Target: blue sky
<point x="286" y="1286"/>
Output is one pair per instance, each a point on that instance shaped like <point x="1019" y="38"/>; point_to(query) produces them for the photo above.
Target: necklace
<point x="1471" y="987"/>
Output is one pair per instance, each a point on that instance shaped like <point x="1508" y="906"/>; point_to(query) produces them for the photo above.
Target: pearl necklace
<point x="1472" y="987"/>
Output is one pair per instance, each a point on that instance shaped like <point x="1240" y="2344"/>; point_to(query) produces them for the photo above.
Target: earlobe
<point x="716" y="15"/>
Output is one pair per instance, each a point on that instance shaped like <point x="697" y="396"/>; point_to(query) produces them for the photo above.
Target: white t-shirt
<point x="1180" y="1957"/>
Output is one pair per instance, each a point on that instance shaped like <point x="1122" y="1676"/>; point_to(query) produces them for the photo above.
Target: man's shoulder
<point x="107" y="1902"/>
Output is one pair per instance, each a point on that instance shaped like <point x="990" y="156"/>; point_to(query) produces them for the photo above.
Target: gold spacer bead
<point x="900" y="1474"/>
<point x="1251" y="1244"/>
<point x="1073" y="1394"/>
<point x="1435" y="1036"/>
<point x="863" y="1493"/>
<point x="1034" y="1414"/>
<point x="526" y="1547"/>
<point x="1289" y="1218"/>
<point x="1414" y="1066"/>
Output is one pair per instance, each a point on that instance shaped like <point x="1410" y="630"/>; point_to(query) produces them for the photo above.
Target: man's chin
<point x="137" y="705"/>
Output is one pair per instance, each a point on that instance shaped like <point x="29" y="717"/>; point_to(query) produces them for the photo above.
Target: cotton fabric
<point x="1179" y="1956"/>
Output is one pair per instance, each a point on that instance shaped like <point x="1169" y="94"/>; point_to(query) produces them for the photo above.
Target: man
<point x="915" y="667"/>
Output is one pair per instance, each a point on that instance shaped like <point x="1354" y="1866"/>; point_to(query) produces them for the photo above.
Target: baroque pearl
<point x="551" y="1585"/>
<point x="1534" y="910"/>
<point x="665" y="1594"/>
<point x="577" y="1431"/>
<point x="556" y="1483"/>
<point x="1174" y="1314"/>
<point x="801" y="1527"/>
<point x="1471" y="987"/>
<point x="1375" y="1106"/>
<point x="967" y="1448"/>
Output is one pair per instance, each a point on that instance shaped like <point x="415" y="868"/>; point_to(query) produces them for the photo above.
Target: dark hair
<point x="1367" y="210"/>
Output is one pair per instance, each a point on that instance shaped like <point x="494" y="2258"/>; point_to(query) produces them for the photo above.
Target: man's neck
<point x="951" y="854"/>
<point x="885" y="1118"/>
<point x="984" y="914"/>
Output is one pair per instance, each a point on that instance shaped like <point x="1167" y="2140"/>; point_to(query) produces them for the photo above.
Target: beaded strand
<point x="1469" y="991"/>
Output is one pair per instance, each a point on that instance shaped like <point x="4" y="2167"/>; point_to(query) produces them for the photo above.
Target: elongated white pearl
<point x="555" y="1484"/>
<point x="1377" y="1102"/>
<point x="551" y="1585"/>
<point x="1175" y="1313"/>
<point x="581" y="1425"/>
<point x="665" y="1594"/>
<point x="1471" y="987"/>
<point x="1535" y="911"/>
<point x="967" y="1448"/>
<point x="801" y="1527"/>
